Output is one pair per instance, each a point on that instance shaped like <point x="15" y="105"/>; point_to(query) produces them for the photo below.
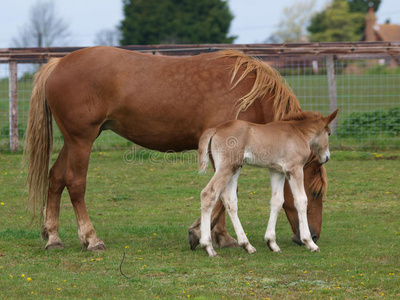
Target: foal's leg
<point x="209" y="196"/>
<point x="77" y="166"/>
<point x="52" y="210"/>
<point x="219" y="234"/>
<point x="229" y="198"/>
<point x="277" y="199"/>
<point x="296" y="182"/>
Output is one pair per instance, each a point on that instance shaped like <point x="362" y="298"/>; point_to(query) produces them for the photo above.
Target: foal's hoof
<point x="250" y="249"/>
<point x="273" y="246"/>
<point x="211" y="252"/>
<point x="194" y="240"/>
<point x="97" y="248"/>
<point x="55" y="245"/>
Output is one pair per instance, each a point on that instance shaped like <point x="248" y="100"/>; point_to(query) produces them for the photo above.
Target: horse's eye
<point x="329" y="134"/>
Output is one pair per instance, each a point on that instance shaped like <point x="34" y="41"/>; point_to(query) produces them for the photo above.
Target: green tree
<point x="149" y="22"/>
<point x="337" y="24"/>
<point x="292" y="26"/>
<point x="362" y="6"/>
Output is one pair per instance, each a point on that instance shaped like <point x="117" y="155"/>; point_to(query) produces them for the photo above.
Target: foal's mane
<point x="268" y="80"/>
<point x="302" y="115"/>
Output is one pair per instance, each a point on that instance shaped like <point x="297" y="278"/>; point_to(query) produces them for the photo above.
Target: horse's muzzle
<point x="296" y="238"/>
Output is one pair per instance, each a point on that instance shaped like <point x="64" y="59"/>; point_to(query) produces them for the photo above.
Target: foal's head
<point x="320" y="143"/>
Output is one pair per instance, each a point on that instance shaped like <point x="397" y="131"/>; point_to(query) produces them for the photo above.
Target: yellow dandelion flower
<point x="154" y="233"/>
<point x="126" y="247"/>
<point x="28" y="279"/>
<point x="58" y="289"/>
<point x="305" y="272"/>
<point x="23" y="275"/>
<point x="2" y="203"/>
<point x="11" y="276"/>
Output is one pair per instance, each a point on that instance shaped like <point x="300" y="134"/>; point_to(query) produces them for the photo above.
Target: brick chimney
<point x="370" y="22"/>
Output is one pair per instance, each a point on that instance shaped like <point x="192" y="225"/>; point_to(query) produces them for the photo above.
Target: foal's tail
<point x="39" y="140"/>
<point x="204" y="144"/>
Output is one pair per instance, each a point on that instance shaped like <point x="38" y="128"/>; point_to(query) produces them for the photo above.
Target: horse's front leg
<point x="296" y="182"/>
<point x="277" y="199"/>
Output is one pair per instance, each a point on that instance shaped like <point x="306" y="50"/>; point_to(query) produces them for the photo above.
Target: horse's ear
<point x="328" y="119"/>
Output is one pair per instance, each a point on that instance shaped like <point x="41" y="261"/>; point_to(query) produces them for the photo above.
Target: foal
<point x="283" y="147"/>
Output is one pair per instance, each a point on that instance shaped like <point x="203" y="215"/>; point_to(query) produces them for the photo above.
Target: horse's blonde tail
<point x="204" y="144"/>
<point x="39" y="140"/>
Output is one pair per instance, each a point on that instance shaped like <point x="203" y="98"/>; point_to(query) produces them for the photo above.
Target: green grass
<point x="145" y="206"/>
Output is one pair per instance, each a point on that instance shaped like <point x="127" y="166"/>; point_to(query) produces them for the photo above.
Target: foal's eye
<point x="329" y="134"/>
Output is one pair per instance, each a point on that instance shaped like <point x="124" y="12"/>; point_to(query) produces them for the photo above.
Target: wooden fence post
<point x="13" y="106"/>
<point x="330" y="69"/>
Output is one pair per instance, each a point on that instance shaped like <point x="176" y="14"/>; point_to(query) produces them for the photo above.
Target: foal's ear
<point x="328" y="119"/>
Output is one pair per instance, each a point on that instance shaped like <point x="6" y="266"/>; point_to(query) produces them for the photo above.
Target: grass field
<point x="143" y="203"/>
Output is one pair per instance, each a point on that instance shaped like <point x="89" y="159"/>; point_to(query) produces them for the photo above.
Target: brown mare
<point x="161" y="103"/>
<point x="283" y="147"/>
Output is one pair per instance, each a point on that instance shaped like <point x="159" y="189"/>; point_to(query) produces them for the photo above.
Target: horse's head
<point x="314" y="180"/>
<point x="320" y="143"/>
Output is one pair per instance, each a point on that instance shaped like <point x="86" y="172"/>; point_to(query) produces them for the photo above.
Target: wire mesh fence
<point x="366" y="90"/>
<point x="367" y="93"/>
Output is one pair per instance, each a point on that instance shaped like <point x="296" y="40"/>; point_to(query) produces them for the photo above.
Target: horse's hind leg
<point x="229" y="198"/>
<point x="277" y="199"/>
<point x="52" y="211"/>
<point x="77" y="166"/>
<point x="296" y="182"/>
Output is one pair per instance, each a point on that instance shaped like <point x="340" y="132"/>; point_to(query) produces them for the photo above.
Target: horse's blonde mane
<point x="267" y="81"/>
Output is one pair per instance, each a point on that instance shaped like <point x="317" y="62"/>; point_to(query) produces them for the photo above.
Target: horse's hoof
<point x="97" y="248"/>
<point x="56" y="245"/>
<point x="194" y="240"/>
<point x="224" y="241"/>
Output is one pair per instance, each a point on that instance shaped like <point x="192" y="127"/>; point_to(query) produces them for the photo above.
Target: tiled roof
<point x="388" y="32"/>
